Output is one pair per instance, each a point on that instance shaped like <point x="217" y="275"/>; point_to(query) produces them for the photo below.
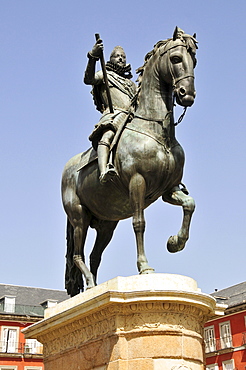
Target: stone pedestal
<point x="145" y="322"/>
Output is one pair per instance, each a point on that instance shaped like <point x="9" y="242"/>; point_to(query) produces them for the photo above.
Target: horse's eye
<point x="175" y="59"/>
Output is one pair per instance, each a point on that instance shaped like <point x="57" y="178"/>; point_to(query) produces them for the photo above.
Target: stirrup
<point x="108" y="174"/>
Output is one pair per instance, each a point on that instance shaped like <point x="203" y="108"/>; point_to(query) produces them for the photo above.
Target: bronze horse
<point x="149" y="161"/>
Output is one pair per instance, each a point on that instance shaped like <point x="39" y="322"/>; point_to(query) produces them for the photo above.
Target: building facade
<point x="19" y="308"/>
<point x="225" y="337"/>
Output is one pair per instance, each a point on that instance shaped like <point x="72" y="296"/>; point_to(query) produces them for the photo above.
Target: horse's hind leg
<point x="105" y="230"/>
<point x="177" y="197"/>
<point x="137" y="189"/>
<point x="81" y="222"/>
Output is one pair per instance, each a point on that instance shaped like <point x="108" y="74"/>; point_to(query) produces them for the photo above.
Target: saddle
<point x="90" y="155"/>
<point x="87" y="157"/>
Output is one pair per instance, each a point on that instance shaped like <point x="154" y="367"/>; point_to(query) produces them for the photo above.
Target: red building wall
<point x="237" y="352"/>
<point x="19" y="357"/>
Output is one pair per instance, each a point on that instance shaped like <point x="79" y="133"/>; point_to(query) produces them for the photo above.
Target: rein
<point x="180" y="117"/>
<point x="161" y="120"/>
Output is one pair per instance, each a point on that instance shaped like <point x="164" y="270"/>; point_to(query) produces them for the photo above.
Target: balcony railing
<point x="21" y="348"/>
<point x="213" y="344"/>
<point x="22" y="310"/>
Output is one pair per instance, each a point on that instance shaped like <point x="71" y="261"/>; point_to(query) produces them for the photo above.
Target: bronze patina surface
<point x="148" y="161"/>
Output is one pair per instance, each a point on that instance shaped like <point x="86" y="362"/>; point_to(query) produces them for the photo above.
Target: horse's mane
<point x="189" y="41"/>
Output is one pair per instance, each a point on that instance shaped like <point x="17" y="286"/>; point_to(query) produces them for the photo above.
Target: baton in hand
<point x="111" y="109"/>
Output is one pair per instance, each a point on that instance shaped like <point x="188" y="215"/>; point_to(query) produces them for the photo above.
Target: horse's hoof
<point x="148" y="270"/>
<point x="174" y="244"/>
<point x="144" y="268"/>
<point x="90" y="284"/>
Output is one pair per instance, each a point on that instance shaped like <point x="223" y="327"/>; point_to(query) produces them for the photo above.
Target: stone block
<point x="137" y="364"/>
<point x="155" y="346"/>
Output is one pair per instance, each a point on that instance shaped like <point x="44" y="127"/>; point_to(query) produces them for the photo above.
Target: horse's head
<point x="177" y="65"/>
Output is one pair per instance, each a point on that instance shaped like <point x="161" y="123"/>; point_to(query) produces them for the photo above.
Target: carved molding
<point x="163" y="316"/>
<point x="123" y="319"/>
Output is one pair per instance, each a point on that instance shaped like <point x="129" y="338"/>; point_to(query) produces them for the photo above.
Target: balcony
<point x="222" y="344"/>
<point x="17" y="349"/>
<point x="22" y="310"/>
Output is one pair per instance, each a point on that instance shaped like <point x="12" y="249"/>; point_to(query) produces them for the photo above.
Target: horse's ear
<point x="175" y="33"/>
<point x="194" y="35"/>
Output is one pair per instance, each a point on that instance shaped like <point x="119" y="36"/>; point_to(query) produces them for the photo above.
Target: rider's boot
<point x="107" y="170"/>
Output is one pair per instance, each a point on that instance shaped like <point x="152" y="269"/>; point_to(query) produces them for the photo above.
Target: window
<point x="212" y="367"/>
<point x="244" y="333"/>
<point x="33" y="346"/>
<point x="209" y="339"/>
<point x="8" y="304"/>
<point x="33" y="368"/>
<point x="49" y="303"/>
<point x="225" y="335"/>
<point x="9" y="339"/>
<point x="9" y="367"/>
<point x="228" y="365"/>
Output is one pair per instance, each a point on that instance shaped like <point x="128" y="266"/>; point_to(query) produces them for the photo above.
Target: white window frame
<point x="244" y="332"/>
<point x="33" y="346"/>
<point x="210" y="341"/>
<point x="212" y="367"/>
<point x="33" y="368"/>
<point x="9" y="304"/>
<point x="224" y="363"/>
<point x="4" y="342"/>
<point x="49" y="303"/>
<point x="226" y="337"/>
<point x="8" y="367"/>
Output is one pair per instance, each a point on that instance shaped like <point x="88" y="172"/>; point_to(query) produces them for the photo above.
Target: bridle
<point x="175" y="80"/>
<point x="170" y="65"/>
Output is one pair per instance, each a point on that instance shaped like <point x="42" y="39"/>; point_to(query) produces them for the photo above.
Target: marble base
<point x="152" y="322"/>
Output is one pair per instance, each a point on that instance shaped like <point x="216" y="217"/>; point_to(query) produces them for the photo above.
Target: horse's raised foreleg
<point x="105" y="230"/>
<point x="81" y="222"/>
<point x="177" y="197"/>
<point x="137" y="190"/>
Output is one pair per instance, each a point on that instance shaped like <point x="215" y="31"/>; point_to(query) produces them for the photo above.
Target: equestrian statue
<point x="135" y="157"/>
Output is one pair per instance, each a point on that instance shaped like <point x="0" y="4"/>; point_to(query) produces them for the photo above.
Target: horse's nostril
<point x="182" y="91"/>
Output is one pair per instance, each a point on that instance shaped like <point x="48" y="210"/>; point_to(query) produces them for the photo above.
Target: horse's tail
<point x="73" y="277"/>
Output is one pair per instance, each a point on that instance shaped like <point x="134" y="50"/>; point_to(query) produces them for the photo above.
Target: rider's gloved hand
<point x="97" y="49"/>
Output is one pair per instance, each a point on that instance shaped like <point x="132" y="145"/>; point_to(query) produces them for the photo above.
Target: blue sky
<point x="47" y="114"/>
